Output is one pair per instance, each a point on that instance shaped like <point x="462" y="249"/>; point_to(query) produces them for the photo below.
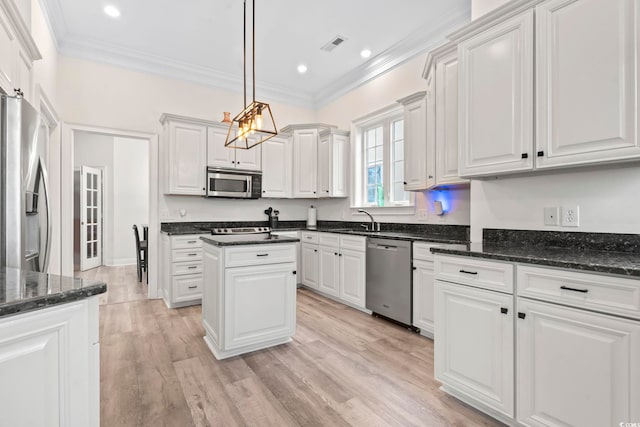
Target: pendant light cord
<point x="253" y="48"/>
<point x="244" y="51"/>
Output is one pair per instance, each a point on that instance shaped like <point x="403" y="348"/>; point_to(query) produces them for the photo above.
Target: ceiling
<point x="201" y="41"/>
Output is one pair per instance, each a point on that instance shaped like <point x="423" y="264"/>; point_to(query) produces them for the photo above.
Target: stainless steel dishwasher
<point x="389" y="286"/>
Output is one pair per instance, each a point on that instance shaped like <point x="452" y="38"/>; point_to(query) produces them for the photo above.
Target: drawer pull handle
<point x="567" y="288"/>
<point x="469" y="272"/>
<point x="192" y="254"/>
<point x="309" y="237"/>
<point x="262" y="254"/>
<point x="192" y="267"/>
<point x="193" y="287"/>
<point x="192" y="241"/>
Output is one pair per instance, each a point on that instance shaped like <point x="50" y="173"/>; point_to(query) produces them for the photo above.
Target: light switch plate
<point x="552" y="215"/>
<point x="571" y="216"/>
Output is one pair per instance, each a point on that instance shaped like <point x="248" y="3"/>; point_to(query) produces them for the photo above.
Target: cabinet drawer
<point x="310" y="237"/>
<point x="179" y="255"/>
<point x="497" y="276"/>
<point x="187" y="267"/>
<point x="329" y="239"/>
<point x="422" y="251"/>
<point x="183" y="242"/>
<point x="187" y="288"/>
<point x="260" y="254"/>
<point x="356" y="243"/>
<point x="614" y="295"/>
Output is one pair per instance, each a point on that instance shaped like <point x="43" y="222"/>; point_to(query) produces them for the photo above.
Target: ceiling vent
<point x="334" y="43"/>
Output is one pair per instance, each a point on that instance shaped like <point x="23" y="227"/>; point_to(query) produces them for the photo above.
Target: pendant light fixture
<point x="254" y="124"/>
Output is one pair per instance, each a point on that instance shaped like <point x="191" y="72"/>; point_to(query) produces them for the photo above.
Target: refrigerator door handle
<point x="45" y="188"/>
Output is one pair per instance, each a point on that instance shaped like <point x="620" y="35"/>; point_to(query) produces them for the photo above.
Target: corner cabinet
<point x="415" y="141"/>
<point x="185" y="150"/>
<point x="496" y="99"/>
<point x="333" y="161"/>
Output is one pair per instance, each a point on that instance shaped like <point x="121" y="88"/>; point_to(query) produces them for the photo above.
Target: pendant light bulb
<point x="259" y="119"/>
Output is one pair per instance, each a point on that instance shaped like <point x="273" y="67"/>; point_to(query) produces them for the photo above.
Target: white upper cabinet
<point x="446" y="112"/>
<point x="305" y="163"/>
<point x="333" y="160"/>
<point x="496" y="99"/>
<point x="224" y="157"/>
<point x="415" y="141"/>
<point x="586" y="81"/>
<point x="431" y="126"/>
<point x="187" y="157"/>
<point x="277" y="168"/>
<point x="18" y="51"/>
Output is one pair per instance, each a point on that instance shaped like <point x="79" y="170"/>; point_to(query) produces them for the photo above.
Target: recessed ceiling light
<point x="365" y="53"/>
<point x="302" y="68"/>
<point x="112" y="11"/>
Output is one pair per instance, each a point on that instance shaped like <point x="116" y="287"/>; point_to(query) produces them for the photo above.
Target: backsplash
<point x="562" y="239"/>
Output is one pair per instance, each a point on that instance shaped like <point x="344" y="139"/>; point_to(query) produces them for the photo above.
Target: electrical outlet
<point x="571" y="216"/>
<point x="552" y="215"/>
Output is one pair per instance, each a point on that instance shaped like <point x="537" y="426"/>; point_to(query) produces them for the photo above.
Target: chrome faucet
<point x="375" y="226"/>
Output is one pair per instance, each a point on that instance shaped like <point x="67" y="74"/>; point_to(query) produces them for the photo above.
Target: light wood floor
<point x="343" y="368"/>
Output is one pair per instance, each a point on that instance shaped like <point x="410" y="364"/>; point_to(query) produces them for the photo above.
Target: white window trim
<point x="357" y="171"/>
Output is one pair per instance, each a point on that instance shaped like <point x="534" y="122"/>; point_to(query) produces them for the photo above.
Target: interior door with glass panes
<point x="90" y="218"/>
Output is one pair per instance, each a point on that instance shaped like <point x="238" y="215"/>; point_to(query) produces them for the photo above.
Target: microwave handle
<point x="249" y="185"/>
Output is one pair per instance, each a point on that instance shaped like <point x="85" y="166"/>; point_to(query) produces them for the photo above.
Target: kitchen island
<point x="49" y="349"/>
<point x="249" y="292"/>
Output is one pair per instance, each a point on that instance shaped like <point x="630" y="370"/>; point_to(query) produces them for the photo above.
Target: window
<point x="381" y="178"/>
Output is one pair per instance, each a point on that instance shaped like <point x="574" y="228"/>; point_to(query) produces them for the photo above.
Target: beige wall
<point x="481" y="7"/>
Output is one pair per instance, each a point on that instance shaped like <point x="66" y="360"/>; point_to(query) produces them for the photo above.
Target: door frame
<point x="67" y="160"/>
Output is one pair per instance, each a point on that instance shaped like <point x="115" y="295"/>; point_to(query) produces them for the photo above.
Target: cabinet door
<point x="423" y="295"/>
<point x="260" y="304"/>
<point x="217" y="154"/>
<point x="324" y="166"/>
<point x="165" y="269"/>
<point x="431" y="129"/>
<point x="250" y="159"/>
<point x="309" y="265"/>
<point x="8" y="46"/>
<point x="496" y="99"/>
<point x="24" y="75"/>
<point x="575" y="367"/>
<point x="187" y="159"/>
<point x="277" y="168"/>
<point x="415" y="152"/>
<point x="187" y="288"/>
<point x="329" y="281"/>
<point x="305" y="163"/>
<point x="339" y="166"/>
<point x="586" y="81"/>
<point x="352" y="276"/>
<point x="474" y="347"/>
<point x="447" y="120"/>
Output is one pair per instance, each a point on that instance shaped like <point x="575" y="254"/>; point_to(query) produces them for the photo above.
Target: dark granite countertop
<point x="22" y="290"/>
<point x="246" y="239"/>
<point x="397" y="235"/>
<point x="598" y="261"/>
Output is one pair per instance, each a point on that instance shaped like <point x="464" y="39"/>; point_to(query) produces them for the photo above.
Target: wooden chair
<point x="141" y="254"/>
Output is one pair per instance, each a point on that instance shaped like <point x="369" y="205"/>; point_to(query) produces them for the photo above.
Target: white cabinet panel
<point x="576" y="368"/>
<point x="24" y="75"/>
<point x="305" y="164"/>
<point x="586" y="79"/>
<point x="474" y="348"/>
<point x="187" y="288"/>
<point x="329" y="263"/>
<point x="324" y="166"/>
<point x="309" y="264"/>
<point x="217" y="154"/>
<point x="352" y="276"/>
<point x="339" y="166"/>
<point x="496" y="99"/>
<point x="415" y="142"/>
<point x="250" y="159"/>
<point x="431" y="129"/>
<point x="259" y="304"/>
<point x="277" y="168"/>
<point x="423" y="295"/>
<point x="187" y="158"/>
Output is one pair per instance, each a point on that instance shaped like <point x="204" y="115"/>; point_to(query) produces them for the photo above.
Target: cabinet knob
<point x="335" y="253"/>
<point x="339" y="254"/>
<point x="294" y="272"/>
<point x="314" y="192"/>
<point x="405" y="182"/>
<point x="264" y="191"/>
<point x="525" y="155"/>
<point x="504" y="310"/>
<point x="540" y="153"/>
<point x="315" y="250"/>
<point x="430" y="177"/>
<point x="18" y="92"/>
<point x="233" y="162"/>
<point x="237" y="163"/>
<point x="521" y="315"/>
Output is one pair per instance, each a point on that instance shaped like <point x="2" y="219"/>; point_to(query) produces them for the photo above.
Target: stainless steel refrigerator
<point x="24" y="204"/>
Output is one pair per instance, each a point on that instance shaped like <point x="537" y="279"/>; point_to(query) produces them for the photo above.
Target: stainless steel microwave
<point x="234" y="183"/>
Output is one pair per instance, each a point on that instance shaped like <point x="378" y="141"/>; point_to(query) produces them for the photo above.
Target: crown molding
<point x="417" y="43"/>
<point x="76" y="46"/>
<point x="333" y="131"/>
<point x="290" y="128"/>
<point x="22" y="31"/>
<point x="168" y="117"/>
<point x="435" y="54"/>
<point x="412" y="98"/>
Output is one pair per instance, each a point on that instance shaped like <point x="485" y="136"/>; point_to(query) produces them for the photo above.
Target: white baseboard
<point x="120" y="261"/>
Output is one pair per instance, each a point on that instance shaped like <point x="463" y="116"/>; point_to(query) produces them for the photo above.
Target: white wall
<point x="608" y="198"/>
<point x="125" y="163"/>
<point x="130" y="196"/>
<point x="481" y="7"/>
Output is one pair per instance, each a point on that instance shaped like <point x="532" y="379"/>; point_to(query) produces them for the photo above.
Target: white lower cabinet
<point x="474" y="347"/>
<point x="423" y="294"/>
<point x="576" y="368"/>
<point x="309" y="265"/>
<point x="50" y="366"/>
<point x="352" y="276"/>
<point x="329" y="271"/>
<point x="181" y="271"/>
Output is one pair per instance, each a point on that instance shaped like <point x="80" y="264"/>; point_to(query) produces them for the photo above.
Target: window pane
<point x="371" y="156"/>
<point x="398" y="130"/>
<point x="399" y="194"/>
<point x="398" y="171"/>
<point x="371" y="194"/>
<point x="379" y="153"/>
<point x="398" y="150"/>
